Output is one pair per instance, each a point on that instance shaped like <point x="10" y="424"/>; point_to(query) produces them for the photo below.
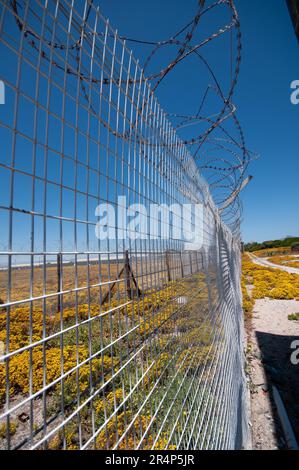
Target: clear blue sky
<point x="270" y="62"/>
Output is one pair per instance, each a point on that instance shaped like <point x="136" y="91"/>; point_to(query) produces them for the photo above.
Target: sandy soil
<point x="266" y="263"/>
<point x="270" y="336"/>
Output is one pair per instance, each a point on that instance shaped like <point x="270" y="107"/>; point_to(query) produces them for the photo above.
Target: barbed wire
<point x="225" y="172"/>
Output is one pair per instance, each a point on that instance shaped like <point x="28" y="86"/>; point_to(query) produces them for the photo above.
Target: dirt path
<point x="268" y="264"/>
<point x="270" y="335"/>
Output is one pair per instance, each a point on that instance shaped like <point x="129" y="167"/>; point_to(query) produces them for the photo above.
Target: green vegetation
<point x="12" y="429"/>
<point x="255" y="246"/>
<point x="293" y="316"/>
<point x="169" y="338"/>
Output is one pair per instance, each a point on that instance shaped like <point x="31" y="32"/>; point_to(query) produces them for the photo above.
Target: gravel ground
<point x="268" y="264"/>
<point x="270" y="334"/>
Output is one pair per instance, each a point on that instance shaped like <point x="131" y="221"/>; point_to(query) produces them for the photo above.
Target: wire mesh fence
<point x="113" y="337"/>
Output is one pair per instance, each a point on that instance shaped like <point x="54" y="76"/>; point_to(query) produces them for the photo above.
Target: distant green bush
<point x="293" y="316"/>
<point x="288" y="241"/>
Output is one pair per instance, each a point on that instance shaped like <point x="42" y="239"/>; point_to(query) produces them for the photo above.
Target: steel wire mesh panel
<point x="117" y="342"/>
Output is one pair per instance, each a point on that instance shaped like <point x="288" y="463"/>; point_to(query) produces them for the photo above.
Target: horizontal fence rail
<point x="121" y="342"/>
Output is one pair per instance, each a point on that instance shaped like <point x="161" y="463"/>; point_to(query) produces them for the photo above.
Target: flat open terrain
<point x="270" y="335"/>
<point x="267" y="263"/>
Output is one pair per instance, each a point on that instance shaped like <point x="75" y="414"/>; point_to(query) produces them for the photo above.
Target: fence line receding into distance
<point x="117" y="343"/>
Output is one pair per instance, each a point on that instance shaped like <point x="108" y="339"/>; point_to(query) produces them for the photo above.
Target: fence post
<point x="182" y="265"/>
<point x="128" y="275"/>
<point x="58" y="282"/>
<point x="190" y="258"/>
<point x="197" y="264"/>
<point x="168" y="266"/>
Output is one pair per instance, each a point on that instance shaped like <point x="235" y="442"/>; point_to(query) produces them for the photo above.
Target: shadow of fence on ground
<point x="276" y="358"/>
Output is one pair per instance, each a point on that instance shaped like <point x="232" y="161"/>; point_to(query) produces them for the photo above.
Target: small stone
<point x="23" y="417"/>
